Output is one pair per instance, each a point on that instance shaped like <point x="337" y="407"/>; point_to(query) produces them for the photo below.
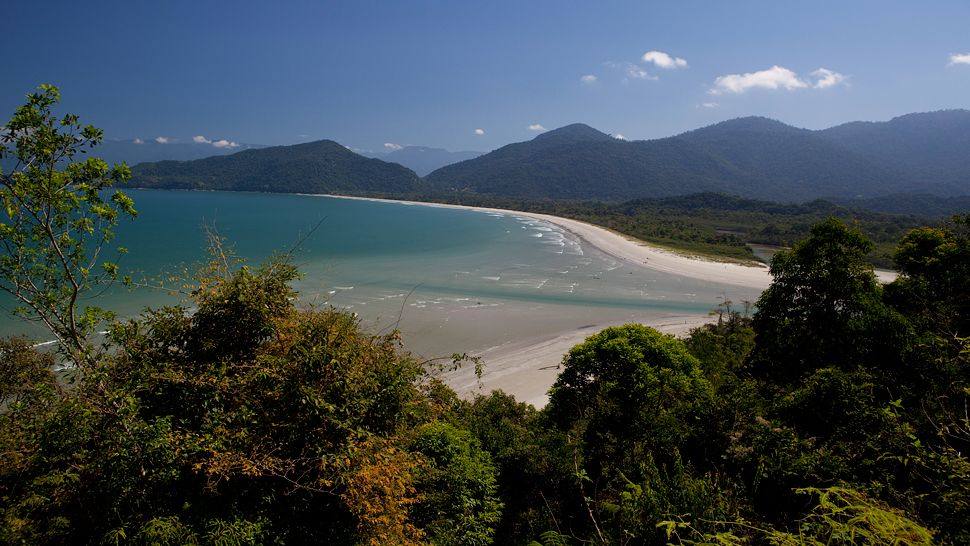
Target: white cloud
<point x="959" y="58"/>
<point x="618" y="136"/>
<point x="663" y="60"/>
<point x="588" y="79"/>
<point x="479" y="132"/>
<point x="776" y="77"/>
<point x="162" y="140"/>
<point x="223" y="143"/>
<point x="637" y="73"/>
<point x="827" y="78"/>
<point x="709" y="105"/>
<point x="392" y="147"/>
<point x="536" y="127"/>
<point x="138" y="141"/>
<point x="631" y="70"/>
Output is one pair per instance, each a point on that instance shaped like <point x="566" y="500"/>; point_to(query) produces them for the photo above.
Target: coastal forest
<point x="714" y="191"/>
<point x="833" y="412"/>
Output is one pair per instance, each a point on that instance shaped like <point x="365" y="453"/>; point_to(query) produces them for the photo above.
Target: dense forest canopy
<point x="836" y="414"/>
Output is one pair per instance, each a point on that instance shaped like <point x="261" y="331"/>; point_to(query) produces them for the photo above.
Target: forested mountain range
<point x="751" y="157"/>
<point x="323" y="166"/>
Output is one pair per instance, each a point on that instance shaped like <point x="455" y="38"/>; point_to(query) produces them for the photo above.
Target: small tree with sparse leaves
<point x="58" y="221"/>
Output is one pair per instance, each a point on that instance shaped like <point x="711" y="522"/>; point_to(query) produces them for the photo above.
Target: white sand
<point x="637" y="252"/>
<point x="527" y="368"/>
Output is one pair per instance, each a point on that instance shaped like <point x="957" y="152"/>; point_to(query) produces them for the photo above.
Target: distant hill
<point x="422" y="159"/>
<point x="932" y="148"/>
<point x="315" y="167"/>
<point x="579" y="162"/>
<point x="859" y="164"/>
<point x="751" y="157"/>
<point x="918" y="204"/>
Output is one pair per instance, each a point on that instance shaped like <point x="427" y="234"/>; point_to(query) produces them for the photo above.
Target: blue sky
<point x="431" y="73"/>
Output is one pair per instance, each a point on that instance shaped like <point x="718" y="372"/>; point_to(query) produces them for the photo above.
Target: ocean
<point x="452" y="280"/>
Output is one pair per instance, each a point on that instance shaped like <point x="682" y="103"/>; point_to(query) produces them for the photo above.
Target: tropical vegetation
<point x="834" y="414"/>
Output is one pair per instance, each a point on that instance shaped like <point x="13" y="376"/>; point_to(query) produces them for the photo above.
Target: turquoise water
<point x="475" y="279"/>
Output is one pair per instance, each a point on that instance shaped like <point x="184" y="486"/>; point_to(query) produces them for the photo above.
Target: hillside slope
<point x="751" y="157"/>
<point x="932" y="148"/>
<point x="315" y="167"/>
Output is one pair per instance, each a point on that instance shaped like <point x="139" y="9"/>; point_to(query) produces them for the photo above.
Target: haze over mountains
<point x="422" y="159"/>
<point x="134" y="152"/>
<point x="750" y="157"/>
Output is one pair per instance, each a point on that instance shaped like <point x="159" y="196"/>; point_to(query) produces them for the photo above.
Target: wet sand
<point x="526" y="368"/>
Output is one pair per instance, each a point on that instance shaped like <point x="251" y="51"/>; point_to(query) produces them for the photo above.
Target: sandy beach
<point x="631" y="250"/>
<point x="527" y="368"/>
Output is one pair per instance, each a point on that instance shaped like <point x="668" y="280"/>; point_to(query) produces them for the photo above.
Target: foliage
<point x="836" y="414"/>
<point x="841" y="516"/>
<point x="57" y="220"/>
<point x="824" y="306"/>
<point x="460" y="506"/>
<point x="295" y="425"/>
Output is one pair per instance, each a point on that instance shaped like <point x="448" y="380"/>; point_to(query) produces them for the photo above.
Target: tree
<point x="824" y="308"/>
<point x="626" y="384"/>
<point x="460" y="507"/>
<point x="934" y="282"/>
<point x="58" y="222"/>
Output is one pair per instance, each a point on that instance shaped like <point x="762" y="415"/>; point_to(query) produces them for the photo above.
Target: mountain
<point x="132" y="152"/>
<point x="751" y="157"/>
<point x="932" y="147"/>
<point x="917" y="204"/>
<point x="315" y="167"/>
<point x="422" y="159"/>
<point x="777" y="161"/>
<point x="579" y="162"/>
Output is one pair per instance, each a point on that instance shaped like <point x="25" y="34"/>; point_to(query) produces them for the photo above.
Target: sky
<point x="475" y="75"/>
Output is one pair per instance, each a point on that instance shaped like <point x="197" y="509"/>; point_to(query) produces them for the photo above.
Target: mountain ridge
<point x="753" y="157"/>
<point x="749" y="156"/>
<point x="322" y="166"/>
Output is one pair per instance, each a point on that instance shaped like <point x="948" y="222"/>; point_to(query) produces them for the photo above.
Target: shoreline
<point x="630" y="250"/>
<point x="527" y="368"/>
<point x="625" y="248"/>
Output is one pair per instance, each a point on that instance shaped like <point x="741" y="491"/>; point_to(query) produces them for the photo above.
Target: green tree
<point x="934" y="283"/>
<point x="58" y="222"/>
<point x="629" y="384"/>
<point x="460" y="507"/>
<point x="824" y="308"/>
